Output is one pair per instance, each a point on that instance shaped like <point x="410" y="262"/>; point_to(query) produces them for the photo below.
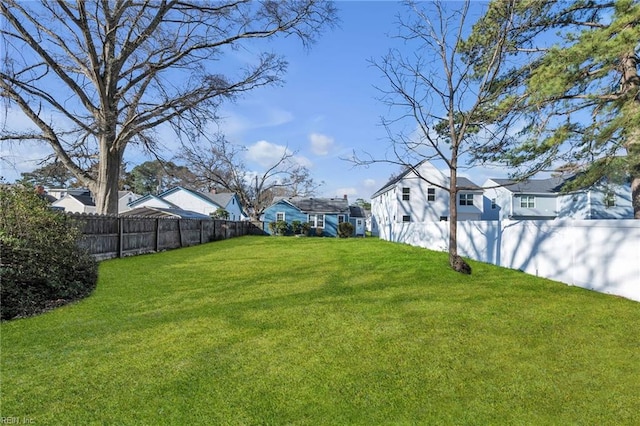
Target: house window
<point x="431" y="194"/>
<point x="527" y="201"/>
<point x="340" y="218"/>
<point x="609" y="199"/>
<point x="280" y="216"/>
<point x="466" y="199"/>
<point x="316" y="220"/>
<point x="443" y="218"/>
<point x="406" y="218"/>
<point x="405" y="194"/>
<point x="493" y="204"/>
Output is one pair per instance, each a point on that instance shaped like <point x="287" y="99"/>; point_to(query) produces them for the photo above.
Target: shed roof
<point x="161" y="212"/>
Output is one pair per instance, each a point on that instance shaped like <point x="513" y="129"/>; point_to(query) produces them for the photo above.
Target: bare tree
<point x="94" y="77"/>
<point x="438" y="100"/>
<point x="220" y="166"/>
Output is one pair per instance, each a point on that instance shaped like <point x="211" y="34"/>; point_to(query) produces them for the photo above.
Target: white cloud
<point x="267" y="154"/>
<point x="350" y="192"/>
<point x="320" y="144"/>
<point x="237" y="121"/>
<point x="369" y="183"/>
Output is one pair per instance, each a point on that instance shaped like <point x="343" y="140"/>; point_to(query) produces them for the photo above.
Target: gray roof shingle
<point x="320" y="205"/>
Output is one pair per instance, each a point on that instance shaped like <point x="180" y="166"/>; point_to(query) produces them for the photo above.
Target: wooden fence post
<point x="120" y="236"/>
<point x="157" y="248"/>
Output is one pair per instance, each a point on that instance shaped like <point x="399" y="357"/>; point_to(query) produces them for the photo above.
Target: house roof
<point x="462" y="181"/>
<point x="84" y="198"/>
<point x="551" y="185"/>
<point x="148" y="197"/>
<point x="357" y="211"/>
<point x="161" y="212"/>
<point x="219" y="199"/>
<point x="319" y="205"/>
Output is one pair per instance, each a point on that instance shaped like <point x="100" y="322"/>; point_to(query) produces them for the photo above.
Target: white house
<point x="414" y="197"/>
<point x="124" y="199"/>
<point x="194" y="201"/>
<point x="544" y="199"/>
<point x="75" y="201"/>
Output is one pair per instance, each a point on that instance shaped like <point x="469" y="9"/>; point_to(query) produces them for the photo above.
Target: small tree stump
<point x="459" y="265"/>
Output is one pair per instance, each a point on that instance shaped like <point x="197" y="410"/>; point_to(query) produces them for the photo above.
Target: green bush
<point x="41" y="266"/>
<point x="279" y="227"/>
<point x="296" y="226"/>
<point x="345" y="230"/>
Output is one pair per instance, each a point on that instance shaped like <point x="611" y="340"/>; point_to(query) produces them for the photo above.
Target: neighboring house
<point x="124" y="199"/>
<point x="323" y="214"/>
<point x="544" y="199"/>
<point x="410" y="198"/>
<point x="358" y="218"/>
<point x="76" y="201"/>
<point x="199" y="202"/>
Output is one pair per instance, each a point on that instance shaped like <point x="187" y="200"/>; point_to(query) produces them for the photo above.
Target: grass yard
<point x="275" y="330"/>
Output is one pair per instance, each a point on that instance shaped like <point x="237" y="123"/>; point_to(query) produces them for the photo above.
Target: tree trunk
<point x="456" y="261"/>
<point x="453" y="219"/>
<point x="105" y="187"/>
<point x="630" y="83"/>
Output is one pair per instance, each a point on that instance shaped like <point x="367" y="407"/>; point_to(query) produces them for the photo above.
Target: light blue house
<point x="322" y="214"/>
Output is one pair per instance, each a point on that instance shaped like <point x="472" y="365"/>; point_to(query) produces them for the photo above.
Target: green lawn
<point x="276" y="330"/>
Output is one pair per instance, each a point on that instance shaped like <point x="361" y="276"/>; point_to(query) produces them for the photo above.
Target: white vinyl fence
<point x="602" y="255"/>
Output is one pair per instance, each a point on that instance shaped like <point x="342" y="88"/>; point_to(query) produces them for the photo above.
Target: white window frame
<point x="283" y="216"/>
<point x="609" y="199"/>
<point x="527" y="201"/>
<point x="465" y="199"/>
<point x="316" y="220"/>
<point x="406" y="218"/>
<point x="494" y="204"/>
<point x="431" y="194"/>
<point x="341" y="218"/>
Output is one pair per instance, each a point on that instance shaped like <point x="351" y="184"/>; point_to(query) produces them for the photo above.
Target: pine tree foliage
<point x="572" y="87"/>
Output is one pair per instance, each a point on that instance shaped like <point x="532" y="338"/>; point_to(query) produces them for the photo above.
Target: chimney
<point x="213" y="191"/>
<point x="344" y="196"/>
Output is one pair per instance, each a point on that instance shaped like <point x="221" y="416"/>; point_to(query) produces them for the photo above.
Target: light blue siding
<point x="292" y="214"/>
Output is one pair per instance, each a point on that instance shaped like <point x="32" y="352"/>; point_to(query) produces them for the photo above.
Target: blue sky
<point x="326" y="108"/>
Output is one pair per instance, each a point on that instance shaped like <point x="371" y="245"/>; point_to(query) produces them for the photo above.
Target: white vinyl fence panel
<point x="602" y="255"/>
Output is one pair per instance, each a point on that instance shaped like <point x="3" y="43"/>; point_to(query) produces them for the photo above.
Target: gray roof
<point x="357" y="211"/>
<point x="319" y="205"/>
<point x="85" y="198"/>
<point x="533" y="186"/>
<point x="466" y="183"/>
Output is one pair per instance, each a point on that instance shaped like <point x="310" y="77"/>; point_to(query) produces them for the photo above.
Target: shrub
<point x="296" y="226"/>
<point x="345" y="230"/>
<point x="220" y="213"/>
<point x="279" y="227"/>
<point x="306" y="228"/>
<point x="319" y="232"/>
<point x="41" y="265"/>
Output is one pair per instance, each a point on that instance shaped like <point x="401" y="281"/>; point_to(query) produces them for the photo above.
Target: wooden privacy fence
<point x="106" y="237"/>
